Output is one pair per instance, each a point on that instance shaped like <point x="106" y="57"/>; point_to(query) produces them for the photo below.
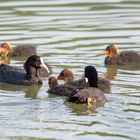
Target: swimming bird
<point x="123" y="58"/>
<point x="24" y="50"/>
<point x="61" y="90"/>
<point x="6" y="49"/>
<point x="91" y="95"/>
<point x="27" y="76"/>
<point x="67" y="75"/>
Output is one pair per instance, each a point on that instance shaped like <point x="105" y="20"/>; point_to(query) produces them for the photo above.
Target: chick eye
<point x="62" y="74"/>
<point x="50" y="83"/>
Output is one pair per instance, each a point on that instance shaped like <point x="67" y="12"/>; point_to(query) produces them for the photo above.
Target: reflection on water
<point x="30" y="91"/>
<point x="79" y="109"/>
<point x="111" y="73"/>
<point x="71" y="34"/>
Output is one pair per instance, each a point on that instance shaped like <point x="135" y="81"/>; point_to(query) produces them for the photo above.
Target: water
<point x="71" y="34"/>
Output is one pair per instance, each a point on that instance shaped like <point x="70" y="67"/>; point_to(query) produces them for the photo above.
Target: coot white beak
<point x="44" y="66"/>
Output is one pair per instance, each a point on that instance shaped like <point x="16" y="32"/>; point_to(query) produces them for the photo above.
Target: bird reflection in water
<point x="80" y="109"/>
<point x="32" y="91"/>
<point x="111" y="73"/>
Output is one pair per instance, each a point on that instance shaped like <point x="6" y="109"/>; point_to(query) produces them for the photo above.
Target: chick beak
<point x="43" y="66"/>
<point x="59" y="78"/>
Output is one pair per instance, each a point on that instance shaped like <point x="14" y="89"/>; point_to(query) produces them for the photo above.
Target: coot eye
<point x="38" y="60"/>
<point x="62" y="74"/>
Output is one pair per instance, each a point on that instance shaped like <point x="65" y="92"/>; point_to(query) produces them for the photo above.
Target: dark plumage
<point x="92" y="95"/>
<point x="11" y="75"/>
<point x="67" y="76"/>
<point x="23" y="50"/>
<point x="6" y="49"/>
<point x="131" y="58"/>
<point x="61" y="90"/>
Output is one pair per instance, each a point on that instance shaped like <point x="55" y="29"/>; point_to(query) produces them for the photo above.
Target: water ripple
<point x="71" y="34"/>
